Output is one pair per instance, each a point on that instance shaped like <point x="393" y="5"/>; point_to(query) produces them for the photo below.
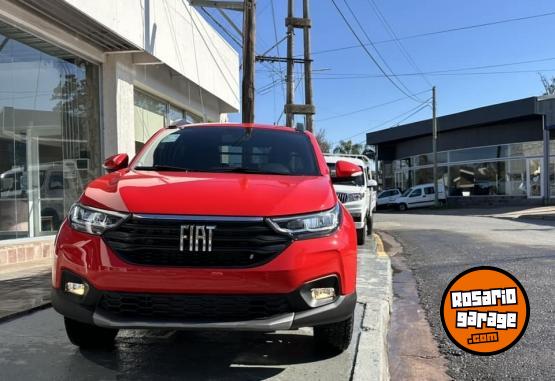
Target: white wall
<point x="173" y="32"/>
<point x="205" y="83"/>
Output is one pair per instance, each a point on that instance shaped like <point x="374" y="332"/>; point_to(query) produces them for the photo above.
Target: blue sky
<point x="335" y="95"/>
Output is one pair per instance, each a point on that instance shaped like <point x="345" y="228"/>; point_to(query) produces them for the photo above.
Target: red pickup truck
<point x="213" y="226"/>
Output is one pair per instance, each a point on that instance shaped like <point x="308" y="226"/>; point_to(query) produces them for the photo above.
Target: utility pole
<point x="434" y="144"/>
<point x="307" y="66"/>
<point x="290" y="65"/>
<point x="292" y="23"/>
<point x="249" y="38"/>
<point x="248" y="7"/>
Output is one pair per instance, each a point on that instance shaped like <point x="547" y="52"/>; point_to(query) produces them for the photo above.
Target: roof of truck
<point x="182" y="124"/>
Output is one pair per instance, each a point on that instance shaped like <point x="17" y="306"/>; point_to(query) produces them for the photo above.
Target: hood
<point x="220" y="194"/>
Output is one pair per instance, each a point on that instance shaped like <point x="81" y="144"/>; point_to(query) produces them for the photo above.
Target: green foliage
<point x="347" y="147"/>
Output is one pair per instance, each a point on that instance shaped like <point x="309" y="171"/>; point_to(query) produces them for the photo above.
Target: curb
<point x="375" y="293"/>
<point x="28" y="311"/>
<point x="546" y="217"/>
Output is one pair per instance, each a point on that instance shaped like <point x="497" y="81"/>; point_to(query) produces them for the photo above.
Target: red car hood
<point x="224" y="194"/>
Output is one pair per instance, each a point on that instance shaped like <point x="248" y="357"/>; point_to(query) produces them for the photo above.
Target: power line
<point x="399" y="44"/>
<point x="449" y="30"/>
<point x="283" y="111"/>
<point x="280" y="66"/>
<point x="433" y="74"/>
<point x="222" y="28"/>
<point x="370" y="54"/>
<point x="457" y="69"/>
<point x="373" y="46"/>
<point x="368" y="108"/>
<point x="411" y="112"/>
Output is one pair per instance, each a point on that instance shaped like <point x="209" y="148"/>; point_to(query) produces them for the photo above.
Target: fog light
<point x="79" y="289"/>
<point x="323" y="293"/>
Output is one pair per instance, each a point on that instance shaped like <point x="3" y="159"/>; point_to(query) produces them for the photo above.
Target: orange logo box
<point x="485" y="310"/>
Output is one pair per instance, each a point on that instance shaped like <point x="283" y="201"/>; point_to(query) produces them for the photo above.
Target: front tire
<point x="361" y="235"/>
<point x="89" y="336"/>
<point x="402" y="207"/>
<point x="369" y="226"/>
<point x="334" y="337"/>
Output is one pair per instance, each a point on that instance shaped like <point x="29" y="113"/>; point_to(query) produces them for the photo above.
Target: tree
<point x="548" y="84"/>
<point x="347" y="147"/>
<point x="323" y="142"/>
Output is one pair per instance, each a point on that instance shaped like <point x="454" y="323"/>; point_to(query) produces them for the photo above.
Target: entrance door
<point x="534" y="178"/>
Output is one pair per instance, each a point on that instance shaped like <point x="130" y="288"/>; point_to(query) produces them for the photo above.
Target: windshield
<point x="352" y="181"/>
<point x="406" y="193"/>
<point x="231" y="149"/>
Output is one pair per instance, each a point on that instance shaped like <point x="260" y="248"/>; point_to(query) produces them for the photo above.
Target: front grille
<point x="194" y="307"/>
<point x="342" y="197"/>
<point x="155" y="242"/>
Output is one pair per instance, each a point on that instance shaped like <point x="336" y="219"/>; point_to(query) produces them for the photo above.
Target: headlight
<point x="354" y="197"/>
<point x="92" y="220"/>
<point x="309" y="225"/>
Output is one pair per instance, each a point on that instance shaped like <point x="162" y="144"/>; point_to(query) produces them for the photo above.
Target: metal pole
<point x="249" y="38"/>
<point x="307" y="67"/>
<point x="545" y="170"/>
<point x="290" y="64"/>
<point x="434" y="144"/>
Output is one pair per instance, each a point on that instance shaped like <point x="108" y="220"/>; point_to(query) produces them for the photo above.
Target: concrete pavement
<point x="375" y="296"/>
<point x="540" y="213"/>
<point x="24" y="288"/>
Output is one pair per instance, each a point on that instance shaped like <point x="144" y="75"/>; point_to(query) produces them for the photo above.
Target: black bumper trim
<point x="341" y="309"/>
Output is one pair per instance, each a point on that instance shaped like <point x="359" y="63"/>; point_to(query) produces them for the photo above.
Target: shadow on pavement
<point x="201" y="355"/>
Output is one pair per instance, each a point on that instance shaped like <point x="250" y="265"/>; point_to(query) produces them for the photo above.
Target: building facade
<point x="82" y="80"/>
<point x="494" y="155"/>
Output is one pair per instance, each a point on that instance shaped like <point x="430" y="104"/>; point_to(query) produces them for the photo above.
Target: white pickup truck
<point x="357" y="193"/>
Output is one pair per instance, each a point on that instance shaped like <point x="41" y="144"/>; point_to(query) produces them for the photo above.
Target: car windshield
<point x="230" y="149"/>
<point x="353" y="181"/>
<point x="406" y="193"/>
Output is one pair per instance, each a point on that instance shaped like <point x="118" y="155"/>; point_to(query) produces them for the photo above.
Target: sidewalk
<point x="374" y="292"/>
<point x="24" y="288"/>
<point x="539" y="213"/>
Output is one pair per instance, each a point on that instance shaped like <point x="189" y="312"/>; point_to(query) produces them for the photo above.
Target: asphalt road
<point x="438" y="247"/>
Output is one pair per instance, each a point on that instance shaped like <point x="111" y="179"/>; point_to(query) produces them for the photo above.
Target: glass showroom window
<point x="152" y="113"/>
<point x="426" y="175"/>
<point x="478" y="179"/>
<point x="49" y="133"/>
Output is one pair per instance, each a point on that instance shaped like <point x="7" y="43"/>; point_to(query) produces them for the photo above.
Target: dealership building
<point x="81" y="80"/>
<point x="503" y="154"/>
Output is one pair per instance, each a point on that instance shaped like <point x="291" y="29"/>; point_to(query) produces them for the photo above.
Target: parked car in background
<point x="52" y="181"/>
<point x="420" y="196"/>
<point x="357" y="193"/>
<point x="387" y="198"/>
<point x="210" y="227"/>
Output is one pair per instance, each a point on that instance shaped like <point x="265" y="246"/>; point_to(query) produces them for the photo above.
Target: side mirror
<point x="346" y="169"/>
<point x="116" y="162"/>
<point x="372" y="183"/>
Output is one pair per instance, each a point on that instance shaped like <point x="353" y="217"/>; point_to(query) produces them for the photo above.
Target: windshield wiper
<point x="163" y="168"/>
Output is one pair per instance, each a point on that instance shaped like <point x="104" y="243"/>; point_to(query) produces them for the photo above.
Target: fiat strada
<point x="213" y="226"/>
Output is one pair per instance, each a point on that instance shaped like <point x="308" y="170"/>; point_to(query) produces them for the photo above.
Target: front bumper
<point x="89" y="312"/>
<point x="358" y="212"/>
<point x="302" y="263"/>
<point x="304" y="260"/>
